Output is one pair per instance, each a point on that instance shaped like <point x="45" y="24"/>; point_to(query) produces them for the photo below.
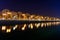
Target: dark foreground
<point x="52" y="32"/>
<point x="14" y="22"/>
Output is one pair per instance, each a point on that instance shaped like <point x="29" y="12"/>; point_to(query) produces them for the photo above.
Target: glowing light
<point x="8" y="30"/>
<point x="37" y="25"/>
<point x="3" y="14"/>
<point x="23" y="28"/>
<point x="45" y="24"/>
<point x="42" y="24"/>
<point x="57" y="23"/>
<point x="8" y="12"/>
<point x="24" y="25"/>
<point x="30" y="26"/>
<point x="3" y="27"/>
<point x="15" y="27"/>
<point x="9" y="15"/>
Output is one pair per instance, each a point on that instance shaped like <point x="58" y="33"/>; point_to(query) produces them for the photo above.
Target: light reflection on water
<point x="27" y="26"/>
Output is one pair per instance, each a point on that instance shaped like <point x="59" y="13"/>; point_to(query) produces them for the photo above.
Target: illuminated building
<point x="11" y="15"/>
<point x="20" y="16"/>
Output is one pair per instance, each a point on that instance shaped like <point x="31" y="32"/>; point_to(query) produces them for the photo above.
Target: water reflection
<point x="15" y="27"/>
<point x="31" y="26"/>
<point x="3" y="27"/>
<point x="27" y="26"/>
<point x="8" y="30"/>
<point x="23" y="28"/>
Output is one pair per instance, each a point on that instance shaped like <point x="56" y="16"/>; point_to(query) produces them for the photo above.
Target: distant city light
<point x="11" y="15"/>
<point x="20" y="16"/>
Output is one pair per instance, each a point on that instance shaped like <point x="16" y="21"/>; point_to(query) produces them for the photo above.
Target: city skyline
<point x="41" y="7"/>
<point x="13" y="15"/>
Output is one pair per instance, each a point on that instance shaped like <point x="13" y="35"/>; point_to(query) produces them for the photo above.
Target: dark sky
<point x="42" y="7"/>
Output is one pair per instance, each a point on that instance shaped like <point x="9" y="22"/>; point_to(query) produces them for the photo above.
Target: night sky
<point x="42" y="7"/>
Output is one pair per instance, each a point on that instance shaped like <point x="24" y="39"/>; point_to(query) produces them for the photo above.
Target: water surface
<point x="31" y="31"/>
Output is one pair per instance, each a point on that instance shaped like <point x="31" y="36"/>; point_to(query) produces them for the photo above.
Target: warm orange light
<point x="30" y="26"/>
<point x="37" y="24"/>
<point x="42" y="24"/>
<point x="9" y="13"/>
<point x="4" y="14"/>
<point x="3" y="27"/>
<point x="23" y="28"/>
<point x="8" y="30"/>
